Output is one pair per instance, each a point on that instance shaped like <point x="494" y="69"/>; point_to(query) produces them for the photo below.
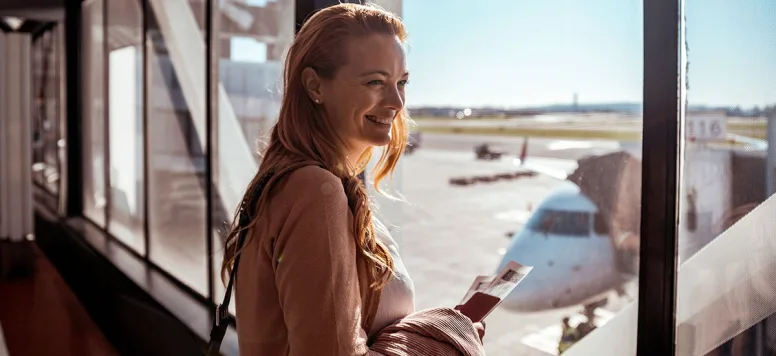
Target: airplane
<point x="572" y="255"/>
<point x="580" y="257"/>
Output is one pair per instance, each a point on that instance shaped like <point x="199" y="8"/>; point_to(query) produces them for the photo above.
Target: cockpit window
<point x="561" y="222"/>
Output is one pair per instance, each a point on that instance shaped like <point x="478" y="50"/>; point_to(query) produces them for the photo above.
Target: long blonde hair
<point x="302" y="133"/>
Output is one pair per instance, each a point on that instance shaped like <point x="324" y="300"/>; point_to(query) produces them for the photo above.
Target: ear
<point x="312" y="84"/>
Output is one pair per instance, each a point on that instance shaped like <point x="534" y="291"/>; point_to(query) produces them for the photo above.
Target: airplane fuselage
<point x="572" y="263"/>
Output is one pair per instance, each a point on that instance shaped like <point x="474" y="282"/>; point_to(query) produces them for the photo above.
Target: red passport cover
<point x="479" y="306"/>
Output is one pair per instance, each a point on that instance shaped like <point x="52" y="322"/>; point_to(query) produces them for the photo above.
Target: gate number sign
<point x="706" y="127"/>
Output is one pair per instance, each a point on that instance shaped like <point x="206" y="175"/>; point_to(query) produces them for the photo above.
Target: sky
<point x="523" y="53"/>
<point x="518" y="53"/>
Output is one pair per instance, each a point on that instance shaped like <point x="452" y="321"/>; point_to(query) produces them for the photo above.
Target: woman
<point x="317" y="274"/>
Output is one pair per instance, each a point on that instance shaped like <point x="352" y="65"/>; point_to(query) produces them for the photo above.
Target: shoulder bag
<point x="221" y="320"/>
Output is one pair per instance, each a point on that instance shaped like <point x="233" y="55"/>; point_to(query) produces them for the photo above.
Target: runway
<point x="537" y="147"/>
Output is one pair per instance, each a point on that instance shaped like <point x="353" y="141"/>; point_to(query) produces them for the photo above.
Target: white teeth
<point x="379" y="120"/>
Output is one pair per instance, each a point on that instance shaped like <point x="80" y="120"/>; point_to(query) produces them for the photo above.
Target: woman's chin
<point x="379" y="140"/>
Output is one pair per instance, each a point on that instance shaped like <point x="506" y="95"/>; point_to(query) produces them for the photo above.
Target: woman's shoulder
<point x="311" y="173"/>
<point x="304" y="196"/>
<point x="313" y="181"/>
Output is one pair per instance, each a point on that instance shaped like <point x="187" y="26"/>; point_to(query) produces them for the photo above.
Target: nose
<point x="394" y="98"/>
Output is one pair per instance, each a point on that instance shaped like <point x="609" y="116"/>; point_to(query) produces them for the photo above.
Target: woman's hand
<point x="480" y="327"/>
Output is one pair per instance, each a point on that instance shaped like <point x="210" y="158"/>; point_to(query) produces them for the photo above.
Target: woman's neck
<point x="353" y="156"/>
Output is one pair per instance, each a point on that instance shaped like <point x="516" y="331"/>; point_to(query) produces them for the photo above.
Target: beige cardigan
<point x="301" y="288"/>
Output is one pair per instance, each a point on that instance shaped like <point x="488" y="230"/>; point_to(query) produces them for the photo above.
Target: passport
<point x="487" y="292"/>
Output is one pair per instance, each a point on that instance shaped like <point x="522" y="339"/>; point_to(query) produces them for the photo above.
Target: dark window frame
<point x="656" y="330"/>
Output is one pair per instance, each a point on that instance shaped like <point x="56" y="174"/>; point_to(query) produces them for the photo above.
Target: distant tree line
<point x="754" y="112"/>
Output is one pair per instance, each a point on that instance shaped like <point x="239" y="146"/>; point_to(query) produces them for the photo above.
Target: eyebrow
<point x="381" y="72"/>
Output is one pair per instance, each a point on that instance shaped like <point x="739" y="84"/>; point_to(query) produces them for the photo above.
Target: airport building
<point x="130" y="128"/>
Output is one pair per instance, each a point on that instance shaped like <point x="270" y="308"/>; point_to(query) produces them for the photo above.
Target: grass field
<point x="628" y="130"/>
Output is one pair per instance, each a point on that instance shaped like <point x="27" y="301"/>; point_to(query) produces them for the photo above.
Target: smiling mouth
<point x="379" y="120"/>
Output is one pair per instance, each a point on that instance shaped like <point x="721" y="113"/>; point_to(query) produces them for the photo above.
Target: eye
<point x="403" y="82"/>
<point x="375" y="82"/>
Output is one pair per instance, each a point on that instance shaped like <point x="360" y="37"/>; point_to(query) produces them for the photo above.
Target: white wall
<point x="16" y="217"/>
<point x="708" y="172"/>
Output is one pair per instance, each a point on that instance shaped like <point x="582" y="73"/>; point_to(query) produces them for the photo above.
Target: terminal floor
<point x="41" y="316"/>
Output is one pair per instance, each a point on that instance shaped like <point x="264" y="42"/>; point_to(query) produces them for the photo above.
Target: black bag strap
<point x="221" y="320"/>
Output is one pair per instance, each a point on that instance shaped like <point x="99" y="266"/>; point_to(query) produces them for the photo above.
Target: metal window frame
<point x="61" y="117"/>
<point x="106" y="114"/>
<point x="145" y="127"/>
<point x="211" y="107"/>
<point x="72" y="196"/>
<point x="661" y="167"/>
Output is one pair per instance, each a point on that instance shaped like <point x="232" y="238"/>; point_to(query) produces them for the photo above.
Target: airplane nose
<point x="530" y="298"/>
<point x="538" y="290"/>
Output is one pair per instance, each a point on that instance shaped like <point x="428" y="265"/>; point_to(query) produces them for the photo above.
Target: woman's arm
<point x="315" y="268"/>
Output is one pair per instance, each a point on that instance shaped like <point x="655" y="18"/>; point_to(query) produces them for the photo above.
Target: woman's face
<point x="366" y="93"/>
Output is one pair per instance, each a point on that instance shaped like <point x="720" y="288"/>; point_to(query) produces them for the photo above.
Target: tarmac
<point x="449" y="234"/>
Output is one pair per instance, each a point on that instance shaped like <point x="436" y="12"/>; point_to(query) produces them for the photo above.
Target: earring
<point x="317" y="101"/>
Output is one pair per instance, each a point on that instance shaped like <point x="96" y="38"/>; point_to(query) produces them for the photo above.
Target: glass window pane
<point x="39" y="72"/>
<point x="176" y="140"/>
<point x="125" y="121"/>
<point x="94" y="149"/>
<point x="250" y="62"/>
<point x="47" y="115"/>
<point x="59" y="148"/>
<point x="726" y="298"/>
<point x="525" y="110"/>
<point x="52" y="110"/>
<point x="46" y="111"/>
